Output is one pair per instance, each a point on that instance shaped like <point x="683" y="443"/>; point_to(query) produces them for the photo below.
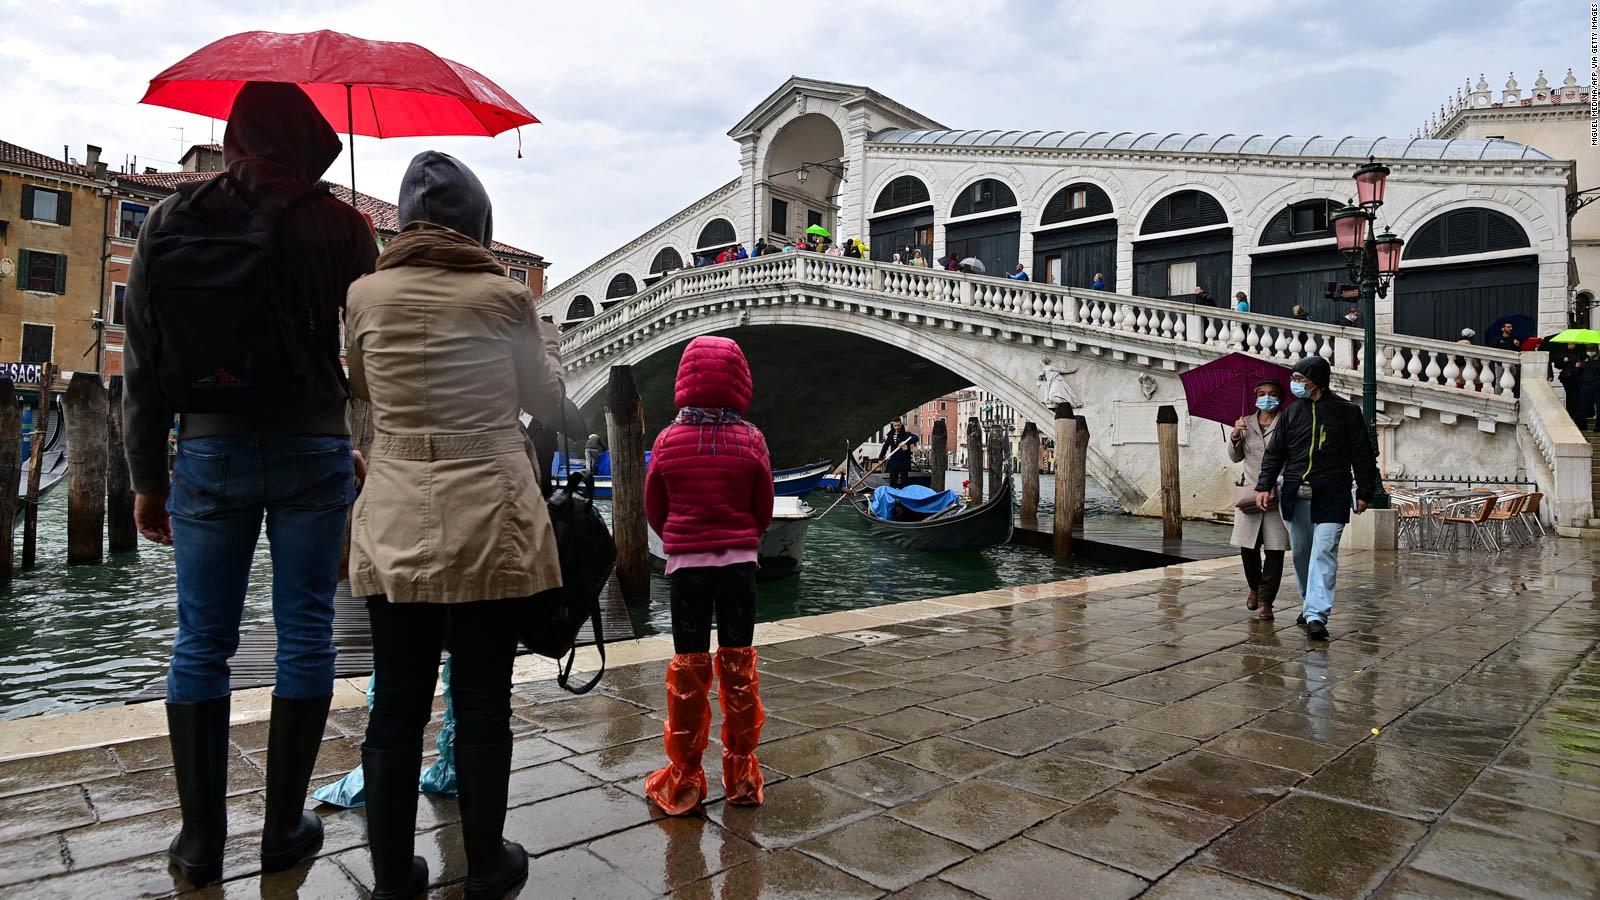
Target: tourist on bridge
<point x="278" y="448"/>
<point x="708" y="493"/>
<point x="917" y="260"/>
<point x="450" y="534"/>
<point x="740" y="253"/>
<point x="1350" y="319"/>
<point x="1255" y="531"/>
<point x="1317" y="445"/>
<point x="1299" y="312"/>
<point x="1202" y="297"/>
<point x="1241" y="303"/>
<point x="1019" y="273"/>
<point x="1589" y="388"/>
<point x="852" y="249"/>
<point x="897" y="450"/>
<point x="952" y="263"/>
<point x="1099" y="282"/>
<point x="1569" y="371"/>
<point x="1507" y="339"/>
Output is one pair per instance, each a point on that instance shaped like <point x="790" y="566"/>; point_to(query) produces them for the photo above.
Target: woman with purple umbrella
<point x="1258" y="533"/>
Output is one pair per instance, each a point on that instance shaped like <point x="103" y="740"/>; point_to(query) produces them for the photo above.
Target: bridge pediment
<point x="799" y="96"/>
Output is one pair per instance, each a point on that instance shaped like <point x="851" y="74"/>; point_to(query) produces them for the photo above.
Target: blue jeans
<point x="221" y="489"/>
<point x="1316" y="560"/>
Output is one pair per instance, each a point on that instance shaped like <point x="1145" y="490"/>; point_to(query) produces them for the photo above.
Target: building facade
<point x="1556" y="120"/>
<point x="1153" y="215"/>
<point x="53" y="217"/>
<point x="134" y="195"/>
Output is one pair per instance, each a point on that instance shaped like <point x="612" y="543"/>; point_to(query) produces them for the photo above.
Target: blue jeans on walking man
<point x="1316" y="560"/>
<point x="222" y="488"/>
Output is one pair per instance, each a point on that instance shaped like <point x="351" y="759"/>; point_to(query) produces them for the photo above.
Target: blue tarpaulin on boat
<point x="914" y="497"/>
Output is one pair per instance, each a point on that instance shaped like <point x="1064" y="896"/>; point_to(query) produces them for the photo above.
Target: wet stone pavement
<point x="1138" y="740"/>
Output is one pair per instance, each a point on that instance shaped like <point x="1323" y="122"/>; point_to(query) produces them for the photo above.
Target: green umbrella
<point x="819" y="231"/>
<point x="1577" y="336"/>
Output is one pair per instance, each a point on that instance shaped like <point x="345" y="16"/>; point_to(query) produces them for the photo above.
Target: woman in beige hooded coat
<point x="450" y="534"/>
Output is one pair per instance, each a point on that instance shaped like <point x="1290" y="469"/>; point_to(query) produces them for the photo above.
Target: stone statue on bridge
<point x="1053" y="384"/>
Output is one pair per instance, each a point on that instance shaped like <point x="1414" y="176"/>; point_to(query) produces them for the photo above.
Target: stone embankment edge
<point x="57" y="733"/>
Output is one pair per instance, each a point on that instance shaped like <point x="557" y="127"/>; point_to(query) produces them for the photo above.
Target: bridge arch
<point x="581" y="307"/>
<point x="985" y="222"/>
<point x="1171" y="266"/>
<point x="800" y="171"/>
<point x="802" y="416"/>
<point x="1295" y="216"/>
<point x="715" y="234"/>
<point x="1466" y="266"/>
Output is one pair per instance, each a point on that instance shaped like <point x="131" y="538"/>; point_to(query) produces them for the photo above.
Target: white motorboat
<point x="783" y="545"/>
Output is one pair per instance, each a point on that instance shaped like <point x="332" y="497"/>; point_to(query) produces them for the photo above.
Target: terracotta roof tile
<point x="12" y="155"/>
<point x="385" y="215"/>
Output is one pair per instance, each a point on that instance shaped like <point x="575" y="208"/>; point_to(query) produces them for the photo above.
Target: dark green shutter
<point x="61" y="273"/>
<point x="22" y="270"/>
<point x="27" y="201"/>
<point x="63" y="208"/>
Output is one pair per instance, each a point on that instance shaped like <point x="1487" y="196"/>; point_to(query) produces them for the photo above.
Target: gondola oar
<point x="859" y="482"/>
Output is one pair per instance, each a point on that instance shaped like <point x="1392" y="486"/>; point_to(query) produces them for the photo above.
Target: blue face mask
<point x="1300" y="389"/>
<point x="1267" y="403"/>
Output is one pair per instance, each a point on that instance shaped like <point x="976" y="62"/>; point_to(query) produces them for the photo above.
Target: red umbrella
<point x="1223" y="390"/>
<point x="374" y="88"/>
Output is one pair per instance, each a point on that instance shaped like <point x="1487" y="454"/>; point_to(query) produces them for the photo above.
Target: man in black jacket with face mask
<point x="1319" y="442"/>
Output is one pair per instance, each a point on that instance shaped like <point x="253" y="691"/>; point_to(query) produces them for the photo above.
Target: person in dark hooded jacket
<point x="1319" y="443"/>
<point x="450" y="534"/>
<point x="290" y="463"/>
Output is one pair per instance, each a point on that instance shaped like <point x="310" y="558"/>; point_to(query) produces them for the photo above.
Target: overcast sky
<point x="636" y="98"/>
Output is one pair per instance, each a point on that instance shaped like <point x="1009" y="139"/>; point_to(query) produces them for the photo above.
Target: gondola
<point x="956" y="528"/>
<point x="795" y="482"/>
<point x="52" y="457"/>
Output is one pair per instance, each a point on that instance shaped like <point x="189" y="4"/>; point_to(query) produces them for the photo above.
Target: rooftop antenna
<point x="179" y="130"/>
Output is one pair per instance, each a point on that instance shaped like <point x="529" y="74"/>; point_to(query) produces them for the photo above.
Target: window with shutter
<point x="43" y="273"/>
<point x="666" y="261"/>
<point x="23" y="269"/>
<point x="61" y="273"/>
<point x="63" y="208"/>
<point x="581" y="308"/>
<point x="984" y="195"/>
<point x="717" y="233"/>
<point x="621" y="286"/>
<point x="907" y="190"/>
<point x="1464" y="232"/>
<point x="38" y="343"/>
<point x="27" y="200"/>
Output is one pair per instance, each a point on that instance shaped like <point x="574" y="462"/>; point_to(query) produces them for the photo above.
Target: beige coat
<point x="1247" y="526"/>
<point x="451" y="510"/>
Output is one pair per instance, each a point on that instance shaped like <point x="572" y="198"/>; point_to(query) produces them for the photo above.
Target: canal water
<point x="78" y="636"/>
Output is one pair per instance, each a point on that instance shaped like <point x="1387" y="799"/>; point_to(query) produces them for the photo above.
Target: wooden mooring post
<point x="938" y="455"/>
<point x="625" y="427"/>
<point x="85" y="410"/>
<point x="1028" y="459"/>
<point x="10" y="470"/>
<point x="975" y="458"/>
<point x="999" y="449"/>
<point x="1066" y="478"/>
<point x="41" y="422"/>
<point x="1080" y="471"/>
<point x="1171" y="499"/>
<point x="121" y="535"/>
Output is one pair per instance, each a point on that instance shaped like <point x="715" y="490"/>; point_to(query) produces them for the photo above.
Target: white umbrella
<point x="974" y="264"/>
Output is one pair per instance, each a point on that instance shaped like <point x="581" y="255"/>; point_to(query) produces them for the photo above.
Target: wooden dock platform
<point x="253" y="665"/>
<point x="1117" y="547"/>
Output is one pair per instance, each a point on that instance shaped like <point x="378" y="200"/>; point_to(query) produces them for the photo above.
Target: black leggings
<point x="1263" y="579"/>
<point x="728" y="590"/>
<point x="406" y="641"/>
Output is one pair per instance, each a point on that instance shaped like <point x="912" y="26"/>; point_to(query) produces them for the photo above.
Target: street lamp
<point x="1373" y="260"/>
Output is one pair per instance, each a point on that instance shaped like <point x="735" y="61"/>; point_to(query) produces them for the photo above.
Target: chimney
<point x="91" y="160"/>
<point x="150" y="170"/>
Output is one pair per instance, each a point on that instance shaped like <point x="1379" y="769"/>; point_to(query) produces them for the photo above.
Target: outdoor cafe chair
<point x="1530" y="516"/>
<point x="1506" y="516"/>
<point x="1474" y="516"/>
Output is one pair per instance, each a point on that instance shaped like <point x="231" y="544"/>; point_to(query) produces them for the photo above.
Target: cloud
<point x="636" y="97"/>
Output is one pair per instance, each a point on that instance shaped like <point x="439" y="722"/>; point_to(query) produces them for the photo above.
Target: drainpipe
<point x="105" y="258"/>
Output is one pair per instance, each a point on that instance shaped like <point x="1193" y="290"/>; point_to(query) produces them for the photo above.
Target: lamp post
<point x="1373" y="260"/>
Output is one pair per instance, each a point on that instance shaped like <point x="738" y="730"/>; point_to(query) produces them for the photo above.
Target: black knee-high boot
<point x="295" y="735"/>
<point x="391" y="782"/>
<point x="199" y="736"/>
<point x="494" y="865"/>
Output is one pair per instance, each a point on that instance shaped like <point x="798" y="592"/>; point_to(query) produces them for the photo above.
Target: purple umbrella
<point x="1223" y="390"/>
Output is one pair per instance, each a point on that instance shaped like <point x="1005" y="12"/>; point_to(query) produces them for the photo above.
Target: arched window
<point x="907" y="190"/>
<point x="621" y="286"/>
<point x="984" y="195"/>
<point x="1183" y="209"/>
<point x="1075" y="201"/>
<point x="1307" y="220"/>
<point x="666" y="260"/>
<point x="581" y="307"/>
<point x="717" y="233"/>
<point x="1465" y="231"/>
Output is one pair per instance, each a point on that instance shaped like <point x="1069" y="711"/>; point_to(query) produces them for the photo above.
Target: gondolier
<point x="897" y="451"/>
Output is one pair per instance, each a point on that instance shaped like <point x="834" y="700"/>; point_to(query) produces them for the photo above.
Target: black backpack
<point x="552" y="619"/>
<point x="227" y="338"/>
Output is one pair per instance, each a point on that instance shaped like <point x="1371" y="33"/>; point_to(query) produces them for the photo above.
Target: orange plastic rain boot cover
<point x="681" y="785"/>
<point x="742" y="718"/>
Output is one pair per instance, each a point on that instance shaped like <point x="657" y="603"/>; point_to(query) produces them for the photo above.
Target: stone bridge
<point x="838" y="346"/>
